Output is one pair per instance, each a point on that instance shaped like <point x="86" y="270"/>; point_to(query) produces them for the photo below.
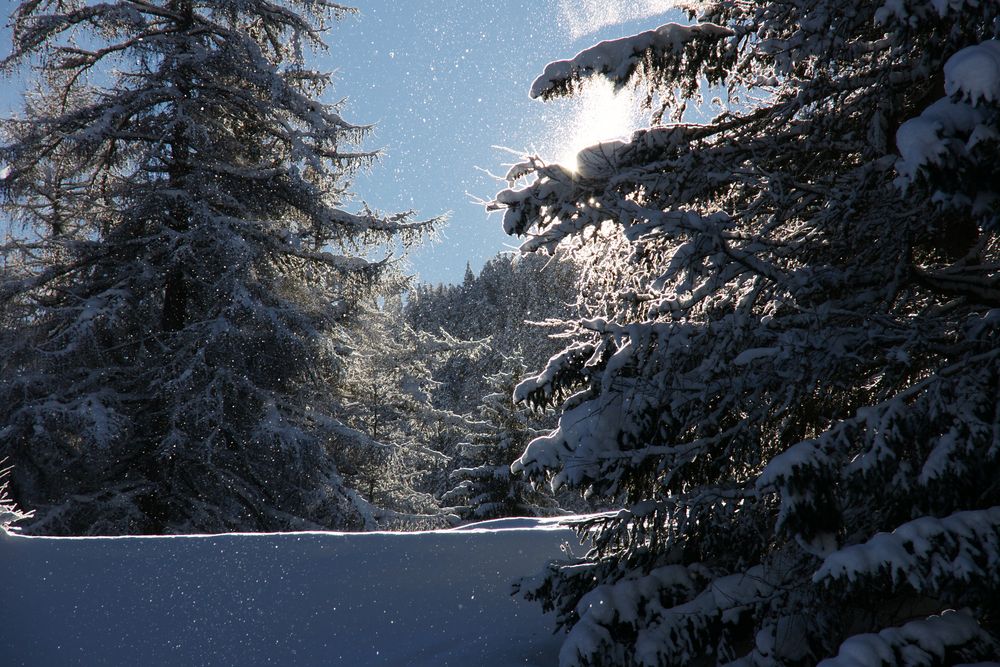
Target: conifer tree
<point x="789" y="368"/>
<point x="501" y="312"/>
<point x="388" y="394"/>
<point x="175" y="310"/>
<point x="486" y="488"/>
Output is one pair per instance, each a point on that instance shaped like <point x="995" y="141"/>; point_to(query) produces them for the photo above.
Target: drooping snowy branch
<point x="944" y="639"/>
<point x="617" y="59"/>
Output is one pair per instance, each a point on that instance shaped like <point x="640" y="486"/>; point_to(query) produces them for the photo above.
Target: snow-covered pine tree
<point x="502" y="308"/>
<point x="174" y="309"/>
<point x="388" y="394"/>
<point x="792" y="383"/>
<point x="486" y="488"/>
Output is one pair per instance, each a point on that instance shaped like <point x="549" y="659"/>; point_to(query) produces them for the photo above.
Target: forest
<point x="752" y="358"/>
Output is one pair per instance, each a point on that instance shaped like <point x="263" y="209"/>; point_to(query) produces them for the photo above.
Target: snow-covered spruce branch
<point x="618" y="59"/>
<point x="9" y="511"/>
<point x="953" y="637"/>
<point x="928" y="554"/>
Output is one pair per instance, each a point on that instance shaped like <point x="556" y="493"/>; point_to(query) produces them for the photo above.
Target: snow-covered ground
<point x="433" y="598"/>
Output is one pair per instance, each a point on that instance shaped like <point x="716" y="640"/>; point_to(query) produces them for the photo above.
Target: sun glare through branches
<point x="597" y="113"/>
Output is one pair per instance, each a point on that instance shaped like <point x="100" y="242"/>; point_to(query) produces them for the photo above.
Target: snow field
<point x="433" y="599"/>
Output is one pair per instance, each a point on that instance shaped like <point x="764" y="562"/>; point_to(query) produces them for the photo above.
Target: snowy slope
<point x="433" y="598"/>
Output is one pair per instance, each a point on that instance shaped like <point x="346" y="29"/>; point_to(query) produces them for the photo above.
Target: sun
<point x="598" y="113"/>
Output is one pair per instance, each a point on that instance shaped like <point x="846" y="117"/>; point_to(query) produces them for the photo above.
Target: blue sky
<point x="446" y="81"/>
